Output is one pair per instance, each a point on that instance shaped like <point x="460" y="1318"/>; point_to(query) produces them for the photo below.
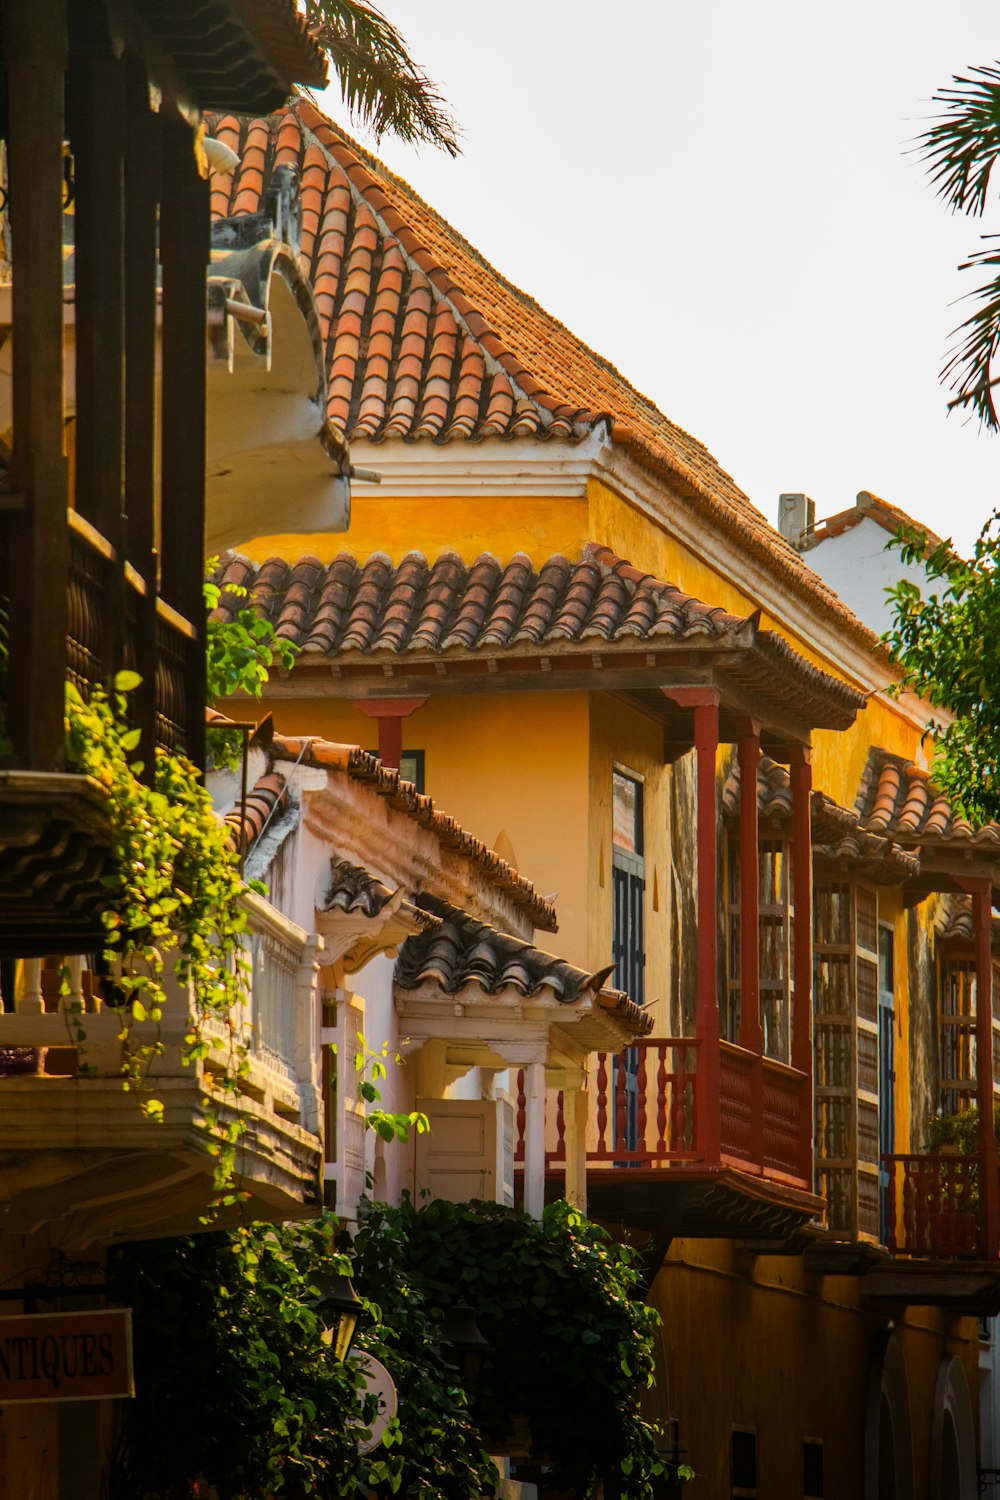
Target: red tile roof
<point x="423" y="610"/>
<point x="869" y="507"/>
<point x="404" y="797"/>
<point x="955" y="922"/>
<point x="838" y="836"/>
<point x="898" y="798"/>
<point x="459" y="950"/>
<point x="426" y="340"/>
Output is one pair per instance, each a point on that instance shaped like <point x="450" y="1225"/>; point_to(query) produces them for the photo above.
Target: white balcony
<point x="77" y="1152"/>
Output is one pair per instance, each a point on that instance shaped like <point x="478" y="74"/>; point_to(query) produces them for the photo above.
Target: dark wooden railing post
<point x="802" y="1046"/>
<point x="707" y="1078"/>
<point x="35" y="46"/>
<point x="989" y="1188"/>
<point x="751" y="1032"/>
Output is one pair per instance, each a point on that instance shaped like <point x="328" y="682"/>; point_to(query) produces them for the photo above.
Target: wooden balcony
<point x="941" y="1251"/>
<point x="673" y="1153"/>
<point x="77" y="1152"/>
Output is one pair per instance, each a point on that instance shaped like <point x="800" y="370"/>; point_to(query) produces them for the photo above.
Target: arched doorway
<point x="953" y="1436"/>
<point x="888" y="1438"/>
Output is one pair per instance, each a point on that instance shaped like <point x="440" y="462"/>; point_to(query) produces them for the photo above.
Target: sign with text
<point x="81" y="1356"/>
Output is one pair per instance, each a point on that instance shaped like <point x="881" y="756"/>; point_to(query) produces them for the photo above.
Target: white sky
<point x="716" y="195"/>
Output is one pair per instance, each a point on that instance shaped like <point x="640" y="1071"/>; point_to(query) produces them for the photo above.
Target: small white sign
<point x="378" y="1383"/>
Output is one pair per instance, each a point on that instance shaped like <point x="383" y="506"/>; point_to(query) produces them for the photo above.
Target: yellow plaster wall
<point x="753" y="1342"/>
<point x="619" y="736"/>
<point x="504" y="763"/>
<point x="466" y="525"/>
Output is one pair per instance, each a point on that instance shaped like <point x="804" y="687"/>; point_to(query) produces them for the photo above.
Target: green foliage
<point x="947" y="642"/>
<point x="234" y="1385"/>
<point x="381" y="84"/>
<point x="561" y="1306"/>
<point x="239" y="655"/>
<point x="371" y="1068"/>
<point x="173" y="899"/>
<point x="961" y="149"/>
<point x="252" y="1402"/>
<point x="961" y="1130"/>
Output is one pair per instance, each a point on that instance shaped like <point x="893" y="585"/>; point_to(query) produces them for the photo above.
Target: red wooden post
<point x="707" y="1080"/>
<point x="989" y="1188"/>
<point x="389" y="714"/>
<point x="801" y="776"/>
<point x="602" y="1104"/>
<point x="751" y="1032"/>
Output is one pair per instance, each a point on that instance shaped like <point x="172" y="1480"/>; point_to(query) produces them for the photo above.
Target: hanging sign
<point x="380" y="1384"/>
<point x="81" y="1356"/>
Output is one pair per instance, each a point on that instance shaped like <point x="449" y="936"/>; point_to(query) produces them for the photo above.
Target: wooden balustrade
<point x="935" y="1208"/>
<point x="643" y="1111"/>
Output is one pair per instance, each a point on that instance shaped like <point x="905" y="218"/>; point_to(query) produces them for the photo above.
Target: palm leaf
<point x="968" y="368"/>
<point x="962" y="146"/>
<point x="382" y="85"/>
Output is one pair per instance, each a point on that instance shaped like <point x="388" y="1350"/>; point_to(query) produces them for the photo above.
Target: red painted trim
<point x="706" y="739"/>
<point x="388" y="708"/>
<point x="751" y="1034"/>
<point x="800" y="772"/>
<point x="390" y="742"/>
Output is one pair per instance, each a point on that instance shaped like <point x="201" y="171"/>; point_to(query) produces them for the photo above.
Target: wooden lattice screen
<point x="845" y="1000"/>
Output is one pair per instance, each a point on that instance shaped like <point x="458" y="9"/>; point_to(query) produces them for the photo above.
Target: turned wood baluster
<point x="679" y="1123"/>
<point x="641" y="1107"/>
<point x="521" y="1103"/>
<point x="917" y="1185"/>
<point x="621" y="1104"/>
<point x="661" y="1098"/>
<point x="560" y="1152"/>
<point x="602" y="1104"/>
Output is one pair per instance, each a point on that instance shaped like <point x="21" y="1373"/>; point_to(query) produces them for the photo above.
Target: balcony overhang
<point x="966" y="1288"/>
<point x="55" y="852"/>
<point x="701" y="1202"/>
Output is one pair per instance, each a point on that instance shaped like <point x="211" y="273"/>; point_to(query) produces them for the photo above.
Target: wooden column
<point x="708" y="1078"/>
<point x="534" y="1139"/>
<point x="800" y="769"/>
<point x="142" y="192"/>
<point x="575" y="1138"/>
<point x="389" y="714"/>
<point x="989" y="1192"/>
<point x="184" y="254"/>
<point x="35" y="47"/>
<point x="751" y="1032"/>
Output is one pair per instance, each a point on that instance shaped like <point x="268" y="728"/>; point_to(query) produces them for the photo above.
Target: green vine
<point x="173" y="903"/>
<point x="240" y="653"/>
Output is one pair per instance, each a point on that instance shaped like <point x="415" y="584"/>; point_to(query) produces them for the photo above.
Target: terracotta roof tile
<point x="898" y="798"/>
<point x="868" y="507"/>
<point x="460" y="951"/>
<point x="351" y="761"/>
<point x="473" y="356"/>
<point x="839" y="839"/>
<point x="263" y="797"/>
<point x="955" y="921"/>
<point x="365" y="608"/>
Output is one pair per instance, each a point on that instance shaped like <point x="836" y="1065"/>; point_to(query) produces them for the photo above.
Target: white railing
<point x="280" y="1019"/>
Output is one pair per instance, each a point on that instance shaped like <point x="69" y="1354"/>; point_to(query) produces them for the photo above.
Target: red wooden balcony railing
<point x="935" y="1209"/>
<point x="645" y="1110"/>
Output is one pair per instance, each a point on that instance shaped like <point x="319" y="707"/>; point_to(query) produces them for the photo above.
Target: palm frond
<point x="382" y="85"/>
<point x="962" y="146"/>
<point x="968" y="368"/>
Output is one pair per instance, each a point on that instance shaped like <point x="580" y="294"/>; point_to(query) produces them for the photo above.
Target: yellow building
<point x="559" y="615"/>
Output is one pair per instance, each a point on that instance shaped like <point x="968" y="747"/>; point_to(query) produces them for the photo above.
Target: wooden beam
<point x="35" y="48"/>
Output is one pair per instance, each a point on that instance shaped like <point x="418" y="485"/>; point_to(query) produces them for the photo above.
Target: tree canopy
<point x="382" y="85"/>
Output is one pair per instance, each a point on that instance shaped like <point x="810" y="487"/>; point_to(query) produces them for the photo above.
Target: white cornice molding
<point x="813" y="625"/>
<point x="551" y="467"/>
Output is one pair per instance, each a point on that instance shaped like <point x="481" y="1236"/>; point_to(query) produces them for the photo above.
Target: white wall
<point x="857" y="566"/>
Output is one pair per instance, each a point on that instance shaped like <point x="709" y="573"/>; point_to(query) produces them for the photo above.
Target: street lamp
<point x="462" y="1332"/>
<point x="338" y="1308"/>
